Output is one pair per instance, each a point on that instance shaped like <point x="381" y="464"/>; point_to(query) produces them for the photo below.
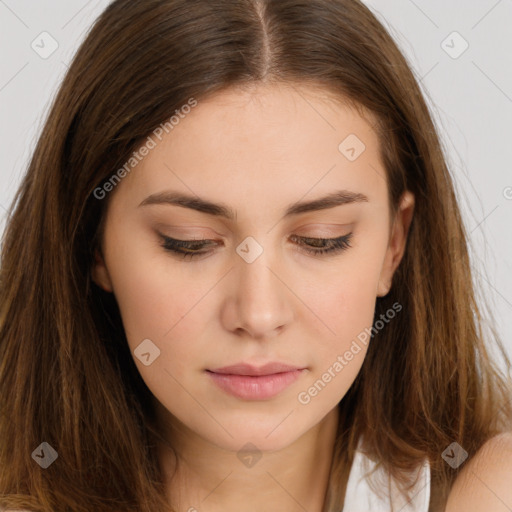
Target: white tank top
<point x="359" y="496"/>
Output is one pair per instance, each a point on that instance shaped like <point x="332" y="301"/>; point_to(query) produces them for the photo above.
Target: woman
<point x="236" y="276"/>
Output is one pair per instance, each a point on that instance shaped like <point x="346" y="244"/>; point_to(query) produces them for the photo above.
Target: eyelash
<point x="180" y="247"/>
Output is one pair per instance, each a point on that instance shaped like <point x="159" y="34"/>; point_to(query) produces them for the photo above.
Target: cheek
<point x="347" y="309"/>
<point x="349" y="314"/>
<point x="163" y="307"/>
<point x="153" y="296"/>
<point x="345" y="301"/>
<point x="345" y="305"/>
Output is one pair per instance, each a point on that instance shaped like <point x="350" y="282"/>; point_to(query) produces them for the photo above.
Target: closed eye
<point x="313" y="246"/>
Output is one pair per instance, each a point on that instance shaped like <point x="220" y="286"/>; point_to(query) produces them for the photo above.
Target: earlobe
<point x="99" y="272"/>
<point x="397" y="243"/>
<point x="383" y="288"/>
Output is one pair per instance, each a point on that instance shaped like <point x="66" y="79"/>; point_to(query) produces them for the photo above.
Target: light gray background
<point x="470" y="97"/>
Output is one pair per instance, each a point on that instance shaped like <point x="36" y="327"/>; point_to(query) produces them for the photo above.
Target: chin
<point x="271" y="434"/>
<point x="254" y="441"/>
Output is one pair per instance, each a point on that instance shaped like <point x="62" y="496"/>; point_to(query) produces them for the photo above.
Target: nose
<point x="259" y="304"/>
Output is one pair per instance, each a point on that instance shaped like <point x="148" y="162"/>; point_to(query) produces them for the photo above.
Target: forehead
<point x="259" y="113"/>
<point x="266" y="144"/>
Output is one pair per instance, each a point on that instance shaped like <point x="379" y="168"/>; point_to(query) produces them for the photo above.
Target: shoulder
<point x="484" y="483"/>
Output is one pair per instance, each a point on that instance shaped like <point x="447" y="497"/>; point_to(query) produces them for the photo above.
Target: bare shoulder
<point x="485" y="483"/>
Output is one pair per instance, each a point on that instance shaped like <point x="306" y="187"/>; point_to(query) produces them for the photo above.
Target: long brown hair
<point x="67" y="377"/>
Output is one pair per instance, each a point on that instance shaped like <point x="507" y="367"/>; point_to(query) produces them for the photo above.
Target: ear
<point x="397" y="242"/>
<point x="99" y="272"/>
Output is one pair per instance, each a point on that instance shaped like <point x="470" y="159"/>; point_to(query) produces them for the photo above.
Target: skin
<point x="258" y="151"/>
<point x="484" y="481"/>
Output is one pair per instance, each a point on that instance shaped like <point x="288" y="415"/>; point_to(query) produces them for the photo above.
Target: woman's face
<point x="253" y="294"/>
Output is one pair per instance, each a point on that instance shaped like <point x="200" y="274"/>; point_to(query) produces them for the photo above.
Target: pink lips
<point x="255" y="383"/>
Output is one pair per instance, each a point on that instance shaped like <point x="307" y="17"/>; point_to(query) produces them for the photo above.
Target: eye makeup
<point x="313" y="246"/>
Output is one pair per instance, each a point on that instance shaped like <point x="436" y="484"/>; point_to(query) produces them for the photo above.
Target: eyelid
<point x="298" y="234"/>
<point x="325" y="230"/>
<point x="185" y="248"/>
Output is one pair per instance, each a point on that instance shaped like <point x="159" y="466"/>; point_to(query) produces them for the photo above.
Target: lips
<point x="247" y="369"/>
<point x="249" y="382"/>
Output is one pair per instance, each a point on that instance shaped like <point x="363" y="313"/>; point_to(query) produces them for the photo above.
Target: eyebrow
<point x="332" y="200"/>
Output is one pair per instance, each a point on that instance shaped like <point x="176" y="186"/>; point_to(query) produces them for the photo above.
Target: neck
<point x="201" y="476"/>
